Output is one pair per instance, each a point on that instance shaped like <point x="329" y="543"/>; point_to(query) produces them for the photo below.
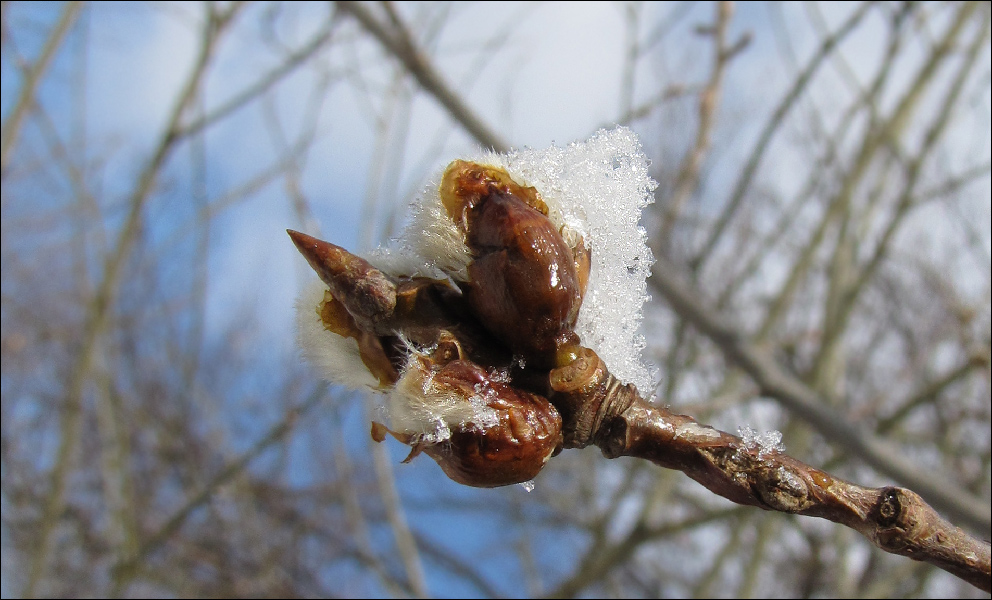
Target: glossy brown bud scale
<point x="504" y="436"/>
<point x="524" y="286"/>
<point x="521" y="431"/>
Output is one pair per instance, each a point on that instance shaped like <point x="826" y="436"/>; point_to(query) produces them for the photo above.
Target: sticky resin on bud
<point x="525" y="283"/>
<point x="482" y="431"/>
<point x="465" y="184"/>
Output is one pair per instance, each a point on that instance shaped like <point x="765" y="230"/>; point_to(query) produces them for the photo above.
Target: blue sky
<point x="555" y="79"/>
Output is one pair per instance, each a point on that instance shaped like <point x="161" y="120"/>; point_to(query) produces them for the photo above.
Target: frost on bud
<point x="593" y="192"/>
<point x="470" y="322"/>
<point x="481" y="430"/>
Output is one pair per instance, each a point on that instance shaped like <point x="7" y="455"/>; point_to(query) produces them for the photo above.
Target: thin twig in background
<point x="771" y="127"/>
<point x="687" y="179"/>
<point x="126" y="570"/>
<point x="102" y="302"/>
<point x="308" y="517"/>
<point x="33" y="75"/>
<point x="402" y="47"/>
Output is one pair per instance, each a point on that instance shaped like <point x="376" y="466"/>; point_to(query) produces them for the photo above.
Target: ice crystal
<point x="766" y="444"/>
<point x="595" y="189"/>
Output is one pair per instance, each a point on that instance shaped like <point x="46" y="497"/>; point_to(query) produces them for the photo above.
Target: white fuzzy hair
<point x="432" y="244"/>
<point x="415" y="405"/>
<point x="336" y="357"/>
<point x="418" y="406"/>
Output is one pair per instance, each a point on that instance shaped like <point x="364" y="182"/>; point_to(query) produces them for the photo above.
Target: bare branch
<point x="873" y="142"/>
<point x="400" y="44"/>
<point x="604" y="557"/>
<point x="894" y="519"/>
<point x="125" y="571"/>
<point x="266" y="82"/>
<point x="406" y="544"/>
<point x="33" y="75"/>
<point x="688" y="175"/>
<point x="905" y="204"/>
<point x="101" y="305"/>
<point x="771" y="127"/>
<point x="775" y="382"/>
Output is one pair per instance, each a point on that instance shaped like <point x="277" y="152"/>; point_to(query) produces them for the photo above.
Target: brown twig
<point x="895" y="519"/>
<point x="775" y="382"/>
<point x="597" y="409"/>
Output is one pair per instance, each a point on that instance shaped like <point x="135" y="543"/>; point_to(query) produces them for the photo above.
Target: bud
<point x="482" y="431"/>
<point x="525" y="284"/>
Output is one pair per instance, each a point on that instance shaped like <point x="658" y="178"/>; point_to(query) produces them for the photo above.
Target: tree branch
<point x="895" y="519"/>
<point x="101" y="305"/>
<point x="687" y="180"/>
<point x="401" y="45"/>
<point x="125" y="571"/>
<point x="32" y="76"/>
<point x="595" y="408"/>
<point x="773" y="124"/>
<point x="775" y="382"/>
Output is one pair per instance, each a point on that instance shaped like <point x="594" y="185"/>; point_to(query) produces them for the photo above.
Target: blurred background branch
<point x="821" y="222"/>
